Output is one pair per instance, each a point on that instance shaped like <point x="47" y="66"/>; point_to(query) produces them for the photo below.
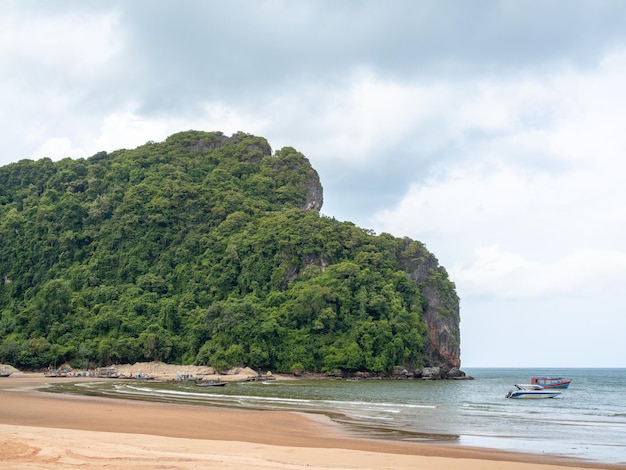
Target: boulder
<point x="431" y="373"/>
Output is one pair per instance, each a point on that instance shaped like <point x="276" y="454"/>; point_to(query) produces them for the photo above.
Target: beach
<point x="45" y="430"/>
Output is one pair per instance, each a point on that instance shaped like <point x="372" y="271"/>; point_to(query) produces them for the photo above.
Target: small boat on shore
<point x="186" y="378"/>
<point x="531" y="391"/>
<point x="55" y="373"/>
<point x="210" y="384"/>
<point x="550" y="382"/>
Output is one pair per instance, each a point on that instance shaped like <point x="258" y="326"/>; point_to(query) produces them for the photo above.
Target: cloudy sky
<point x="492" y="131"/>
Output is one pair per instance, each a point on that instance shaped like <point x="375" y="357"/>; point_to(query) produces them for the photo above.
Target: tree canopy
<point x="202" y="249"/>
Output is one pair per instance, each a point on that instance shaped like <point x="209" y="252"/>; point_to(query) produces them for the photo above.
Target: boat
<point x="55" y="373"/>
<point x="107" y="373"/>
<point x="550" y="382"/>
<point x="186" y="378"/>
<point x="210" y="384"/>
<point x="531" y="391"/>
<point x="5" y="373"/>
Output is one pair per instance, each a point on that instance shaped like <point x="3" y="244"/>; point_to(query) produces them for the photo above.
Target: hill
<point x="210" y="250"/>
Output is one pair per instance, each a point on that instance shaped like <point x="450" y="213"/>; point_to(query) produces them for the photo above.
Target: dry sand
<point x="40" y="430"/>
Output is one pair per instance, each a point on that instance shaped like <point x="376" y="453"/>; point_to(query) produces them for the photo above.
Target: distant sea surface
<point x="588" y="421"/>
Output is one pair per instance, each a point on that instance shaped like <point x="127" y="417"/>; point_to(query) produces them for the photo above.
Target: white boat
<point x="531" y="391"/>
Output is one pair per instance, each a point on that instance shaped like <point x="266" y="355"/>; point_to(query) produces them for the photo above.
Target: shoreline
<point x="44" y="430"/>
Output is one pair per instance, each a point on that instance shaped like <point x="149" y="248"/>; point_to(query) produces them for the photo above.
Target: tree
<point x="156" y="343"/>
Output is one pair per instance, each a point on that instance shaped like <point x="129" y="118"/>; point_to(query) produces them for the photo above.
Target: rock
<point x="454" y="373"/>
<point x="334" y="373"/>
<point x="431" y="373"/>
<point x="402" y="373"/>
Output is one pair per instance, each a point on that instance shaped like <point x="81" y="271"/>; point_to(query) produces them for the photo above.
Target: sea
<point x="587" y="421"/>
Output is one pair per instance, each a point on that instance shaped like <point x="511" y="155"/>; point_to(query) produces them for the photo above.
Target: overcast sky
<point x="492" y="131"/>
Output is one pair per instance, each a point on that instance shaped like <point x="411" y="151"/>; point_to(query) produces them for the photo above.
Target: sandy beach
<point x="40" y="430"/>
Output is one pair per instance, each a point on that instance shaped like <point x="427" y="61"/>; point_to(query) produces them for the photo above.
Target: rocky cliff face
<point x="441" y="309"/>
<point x="443" y="330"/>
<point x="315" y="194"/>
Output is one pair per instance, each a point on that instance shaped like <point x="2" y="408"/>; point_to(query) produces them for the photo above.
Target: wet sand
<point x="44" y="430"/>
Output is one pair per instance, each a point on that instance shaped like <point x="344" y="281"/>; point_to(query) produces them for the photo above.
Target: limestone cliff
<point x="441" y="305"/>
<point x="315" y="194"/>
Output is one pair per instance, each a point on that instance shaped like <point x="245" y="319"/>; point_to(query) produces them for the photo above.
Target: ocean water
<point x="588" y="421"/>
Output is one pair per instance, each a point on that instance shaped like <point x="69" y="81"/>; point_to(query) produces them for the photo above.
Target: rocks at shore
<point x="427" y="373"/>
<point x="441" y="373"/>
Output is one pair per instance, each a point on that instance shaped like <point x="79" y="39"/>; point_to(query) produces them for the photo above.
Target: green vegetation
<point x="199" y="250"/>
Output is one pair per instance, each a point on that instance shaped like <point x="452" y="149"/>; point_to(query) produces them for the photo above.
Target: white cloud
<point x="369" y="116"/>
<point x="71" y="43"/>
<point x="48" y="64"/>
<point x="57" y="148"/>
<point x="535" y="208"/>
<point x="129" y="129"/>
<point x="493" y="273"/>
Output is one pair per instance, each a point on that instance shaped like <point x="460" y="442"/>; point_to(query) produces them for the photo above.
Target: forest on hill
<point x="210" y="250"/>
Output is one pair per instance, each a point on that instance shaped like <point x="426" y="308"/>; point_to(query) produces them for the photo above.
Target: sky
<point x="494" y="132"/>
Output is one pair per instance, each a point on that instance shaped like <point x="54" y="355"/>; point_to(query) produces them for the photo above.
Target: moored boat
<point x="210" y="383"/>
<point x="531" y="391"/>
<point x="550" y="382"/>
<point x="55" y="373"/>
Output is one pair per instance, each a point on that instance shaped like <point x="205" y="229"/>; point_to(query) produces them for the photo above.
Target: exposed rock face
<point x="315" y="194"/>
<point x="443" y="330"/>
<point x="441" y="309"/>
